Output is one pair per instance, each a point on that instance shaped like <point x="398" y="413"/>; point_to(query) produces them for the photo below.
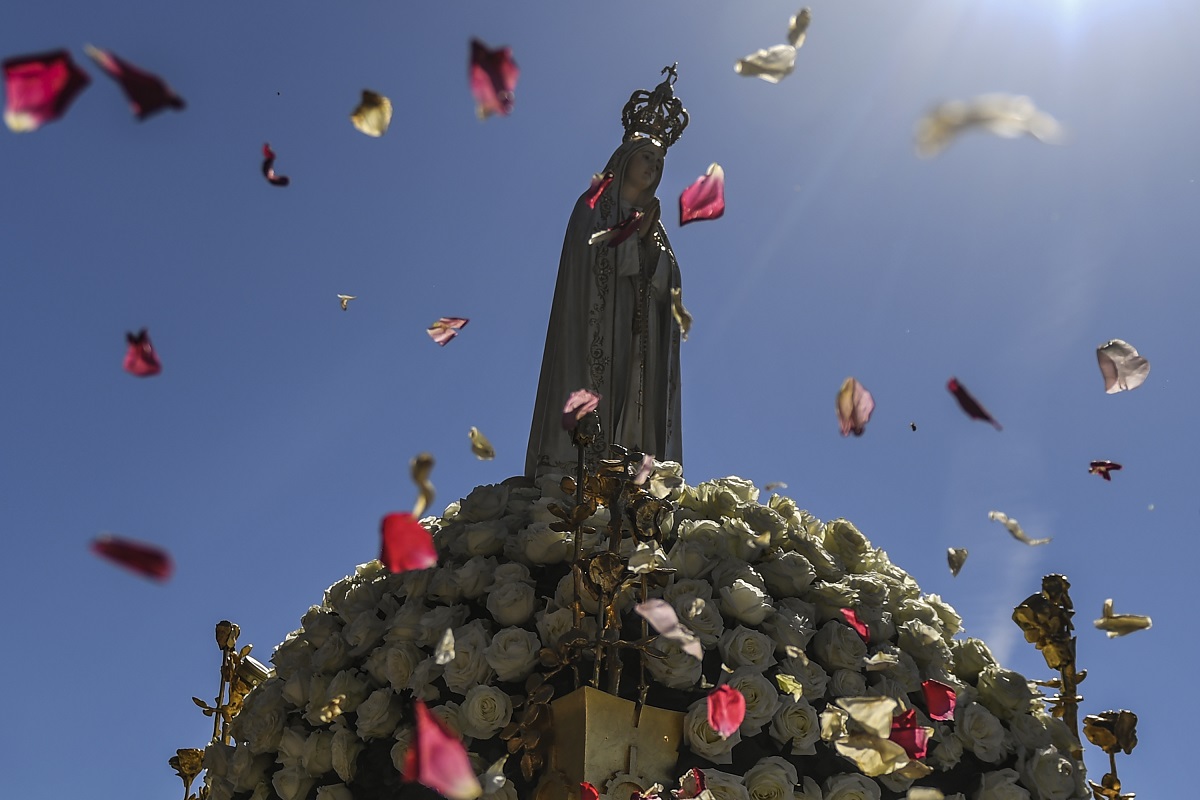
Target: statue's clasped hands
<point x="650" y="215"/>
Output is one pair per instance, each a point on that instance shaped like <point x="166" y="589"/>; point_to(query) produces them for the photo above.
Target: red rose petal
<point x="40" y="88"/>
<point x="588" y="792"/>
<point x="147" y="93"/>
<point x="600" y="182"/>
<point x="581" y="403"/>
<point x="619" y="232"/>
<point x="140" y="358"/>
<point x="493" y="75"/>
<point x="969" y="404"/>
<point x="446" y="329"/>
<point x="854" y="407"/>
<point x="437" y="759"/>
<point x="405" y="544"/>
<point x="268" y="168"/>
<point x="1102" y="468"/>
<point x="852" y="619"/>
<point x="691" y="785"/>
<point x="144" y="559"/>
<point x="726" y="710"/>
<point x="940" y="699"/>
<point x="910" y="735"/>
<point x="704" y="199"/>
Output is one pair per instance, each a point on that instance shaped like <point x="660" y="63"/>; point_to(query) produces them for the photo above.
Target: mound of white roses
<point x="763" y="587"/>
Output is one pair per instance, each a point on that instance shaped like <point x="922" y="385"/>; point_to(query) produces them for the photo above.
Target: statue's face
<point x="643" y="169"/>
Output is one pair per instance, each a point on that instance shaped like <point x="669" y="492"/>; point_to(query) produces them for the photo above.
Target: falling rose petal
<point x="704" y="199"/>
<point x="144" y="559"/>
<point x="600" y="182"/>
<point x="726" y="710"/>
<point x="39" y="88"/>
<point x="662" y="617"/>
<point x="853" y="621"/>
<point x="373" y="114"/>
<point x="770" y="487"/>
<point x="854" y="407"/>
<point x="644" y="468"/>
<point x="907" y="733"/>
<point x="147" y="93"/>
<point x="421" y="467"/>
<point x="969" y="404"/>
<point x="798" y="27"/>
<point x="619" y="232"/>
<point x="1102" y="468"/>
<point x="437" y="759"/>
<point x="493" y="779"/>
<point x="940" y="699"/>
<point x="588" y="792"/>
<point x="1123" y="369"/>
<point x="1015" y="529"/>
<point x="140" y="358"/>
<point x="772" y="64"/>
<point x="480" y="445"/>
<point x="406" y="545"/>
<point x="444" y="653"/>
<point x="446" y="329"/>
<point x="682" y="318"/>
<point x="691" y="785"/>
<point x="1120" y="624"/>
<point x="956" y="557"/>
<point x="268" y="168"/>
<point x="345" y="300"/>
<point x="493" y="76"/>
<point x="581" y="403"/>
<point x="1004" y="115"/>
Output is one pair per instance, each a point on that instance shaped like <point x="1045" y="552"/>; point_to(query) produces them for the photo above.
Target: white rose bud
<point x="703" y="740"/>
<point x="485" y="711"/>
<point x="848" y="786"/>
<point x="796" y="722"/>
<point x="513" y="653"/>
<point x="511" y="604"/>
<point x="772" y="778"/>
<point x="1000" y="785"/>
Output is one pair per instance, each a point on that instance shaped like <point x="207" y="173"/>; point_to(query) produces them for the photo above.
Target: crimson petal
<point x="619" y="232"/>
<point x="437" y="759"/>
<point x="969" y="404"/>
<point x="588" y="792"/>
<point x="493" y="75"/>
<point x="600" y="182"/>
<point x="691" y="785"/>
<point x="940" y="699"/>
<point x="144" y="559"/>
<point x="854" y="407"/>
<point x="910" y="735"/>
<point x="1102" y="468"/>
<point x="446" y="329"/>
<point x="147" y="93"/>
<point x="40" y="88"/>
<point x="405" y="544"/>
<point x="268" y="168"/>
<point x="581" y="403"/>
<point x="140" y="358"/>
<point x="704" y="199"/>
<point x="726" y="710"/>
<point x="853" y="621"/>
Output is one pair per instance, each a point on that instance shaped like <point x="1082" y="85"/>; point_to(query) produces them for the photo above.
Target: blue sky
<point x="280" y="429"/>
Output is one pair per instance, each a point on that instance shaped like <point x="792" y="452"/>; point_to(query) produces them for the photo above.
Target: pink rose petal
<point x="1123" y="369"/>
<point x="852" y="619"/>
<point x="147" y="93"/>
<point x="726" y="710"/>
<point x="940" y="699"/>
<point x="600" y="182"/>
<point x="140" y="358"/>
<point x="144" y="559"/>
<point x="437" y="759"/>
<point x="405" y="544"/>
<point x="644" y="469"/>
<point x="446" y="329"/>
<point x="268" y="168"/>
<point x="854" y="407"/>
<point x="40" y="88"/>
<point x="910" y="735"/>
<point x="581" y="403"/>
<point x="619" y="232"/>
<point x="662" y="617"/>
<point x="969" y="404"/>
<point x="704" y="199"/>
<point x="493" y="75"/>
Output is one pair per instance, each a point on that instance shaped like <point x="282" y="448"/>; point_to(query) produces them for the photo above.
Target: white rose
<point x="360" y="598"/>
<point x="295" y="689"/>
<point x="474" y="576"/>
<point x="400" y="660"/>
<point x="294" y="655"/>
<point x="845" y="540"/>
<point x="484" y="503"/>
<point x="811" y="676"/>
<point x="848" y="683"/>
<point x="219" y="788"/>
<point x="676" y="669"/>
<point x="666" y="480"/>
<point x="218" y="759"/>
<point x="796" y="723"/>
<point x="291" y="746"/>
<point x="1000" y="785"/>
<point x="363" y="633"/>
<point x="445" y="587"/>
<point x="451" y="714"/>
<point x="520" y="498"/>
<point x="745" y="603"/>
<point x="332" y="656"/>
<point x="946" y="749"/>
<point x="725" y="785"/>
<point x="765" y="520"/>
<point x="809" y="789"/>
<point x="787" y="574"/>
<point x="404" y="737"/>
<point x="923" y="642"/>
<point x="970" y="657"/>
<point x="980" y="732"/>
<point x="551" y="625"/>
<point x="687" y="586"/>
<point x="349" y="684"/>
<point x="703" y="740"/>
<point x="506" y="791"/>
<point x="830" y="597"/>
<point x="762" y="698"/>
<point x="485" y="710"/>
<point x="894" y="782"/>
<point x="437" y="620"/>
<point x="317" y="758"/>
<point x="1053" y="775"/>
<point x="336" y="791"/>
<point x="564" y="595"/>
<point x="260" y="722"/>
<point x="849" y="786"/>
<point x="1005" y="693"/>
<point x="1030" y="732"/>
<point x="378" y="715"/>
<point x="541" y="544"/>
<point x="730" y="570"/>
<point x="421" y="682"/>
<point x="247" y="769"/>
<point x="951" y="620"/>
<point x="512" y="603"/>
<point x="837" y="646"/>
<point x="508" y="573"/>
<point x="292" y="783"/>
<point x="405" y="624"/>
<point x="513" y="653"/>
<point x="469" y="666"/>
<point x="484" y="538"/>
<point x="741" y="541"/>
<point x="318" y="624"/>
<point x="702" y="616"/>
<point x="344" y="751"/>
<point x="692" y="559"/>
<point x="743" y="647"/>
<point x="646" y="558"/>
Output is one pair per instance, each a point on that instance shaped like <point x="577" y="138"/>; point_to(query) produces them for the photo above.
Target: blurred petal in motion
<point x="619" y="232"/>
<point x="147" y="92"/>
<point x="144" y="559"/>
<point x="140" y="358"/>
<point x="1015" y="529"/>
<point x="1123" y="369"/>
<point x="726" y="710"/>
<point x="600" y="182"/>
<point x="662" y="617"/>
<point x="860" y="627"/>
<point x="40" y="88"/>
<point x="956" y="557"/>
<point x="446" y="329"/>
<point x="1005" y="115"/>
<point x="345" y="299"/>
<point x="480" y="445"/>
<point x="940" y="699"/>
<point x="268" y="168"/>
<point x="1102" y="468"/>
<point x="705" y="198"/>
<point x="581" y="403"/>
<point x="969" y="404"/>
<point x="493" y="76"/>
<point x="444" y="653"/>
<point x="682" y="318"/>
<point x="798" y="27"/>
<point x="854" y="407"/>
<point x="373" y="114"/>
<point x="421" y="468"/>
<point x="405" y="544"/>
<point x="437" y="759"/>
<point x="1120" y="624"/>
<point x="772" y="64"/>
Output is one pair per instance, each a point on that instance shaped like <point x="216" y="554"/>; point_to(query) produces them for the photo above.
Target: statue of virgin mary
<point x="611" y="328"/>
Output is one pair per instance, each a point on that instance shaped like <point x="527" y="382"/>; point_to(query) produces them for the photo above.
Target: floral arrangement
<point x="811" y="624"/>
